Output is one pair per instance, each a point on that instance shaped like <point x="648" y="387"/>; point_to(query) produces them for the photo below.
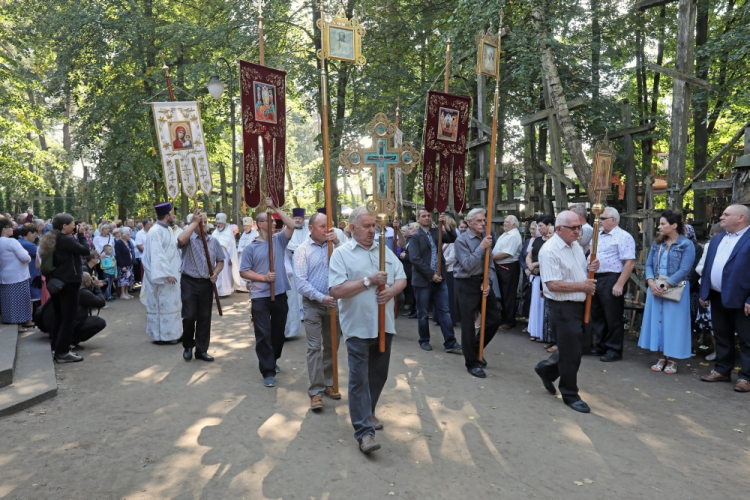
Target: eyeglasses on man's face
<point x="572" y="228"/>
<point x="605" y="218"/>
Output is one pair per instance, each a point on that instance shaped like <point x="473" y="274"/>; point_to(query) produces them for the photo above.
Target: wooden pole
<point x="597" y="210"/>
<point x="201" y="233"/>
<point x="491" y="187"/>
<point x="381" y="219"/>
<point x="328" y="198"/>
<point x="440" y="226"/>
<point x="270" y="223"/>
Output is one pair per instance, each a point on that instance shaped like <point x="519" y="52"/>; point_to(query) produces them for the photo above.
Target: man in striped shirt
<point x="311" y="280"/>
<point x="563" y="269"/>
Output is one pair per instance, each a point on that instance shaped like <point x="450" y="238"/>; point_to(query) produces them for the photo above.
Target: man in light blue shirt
<point x="353" y="279"/>
<point x="269" y="313"/>
<point x="311" y="280"/>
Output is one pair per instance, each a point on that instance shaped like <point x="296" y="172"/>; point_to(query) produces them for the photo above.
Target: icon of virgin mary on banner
<point x="263" y="94"/>
<point x="446" y="132"/>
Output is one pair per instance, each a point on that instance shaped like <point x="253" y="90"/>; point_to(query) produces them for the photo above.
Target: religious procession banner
<point x="446" y="132"/>
<point x="263" y="93"/>
<point x="183" y="149"/>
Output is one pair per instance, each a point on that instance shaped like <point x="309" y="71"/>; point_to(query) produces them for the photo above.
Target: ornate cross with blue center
<point x="383" y="160"/>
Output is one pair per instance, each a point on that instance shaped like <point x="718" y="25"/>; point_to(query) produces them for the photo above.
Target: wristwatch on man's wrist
<point x="366" y="282"/>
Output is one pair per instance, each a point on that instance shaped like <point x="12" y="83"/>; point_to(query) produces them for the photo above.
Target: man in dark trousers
<point x="269" y="313"/>
<point x="429" y="285"/>
<point x="468" y="272"/>
<point x="196" y="286"/>
<point x="725" y="284"/>
<point x="505" y="255"/>
<point x="565" y="280"/>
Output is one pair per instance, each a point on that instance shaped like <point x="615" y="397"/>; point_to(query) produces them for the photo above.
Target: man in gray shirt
<point x="196" y="287"/>
<point x="269" y="314"/>
<point x="354" y="277"/>
<point x="468" y="272"/>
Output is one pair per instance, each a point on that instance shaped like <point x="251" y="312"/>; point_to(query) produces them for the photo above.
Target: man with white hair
<point x="616" y="254"/>
<point x="354" y="278"/>
<point x="468" y="272"/>
<point x="229" y="279"/>
<point x="505" y="255"/>
<point x="565" y="282"/>
<point x="587" y="232"/>
<point x="161" y="280"/>
<point x="249" y="233"/>
<point x="140" y="243"/>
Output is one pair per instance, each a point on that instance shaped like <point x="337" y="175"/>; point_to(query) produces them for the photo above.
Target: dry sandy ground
<point x="135" y="421"/>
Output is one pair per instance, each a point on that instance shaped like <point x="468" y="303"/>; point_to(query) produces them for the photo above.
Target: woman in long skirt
<point x="15" y="294"/>
<point x="666" y="323"/>
<point x="545" y="228"/>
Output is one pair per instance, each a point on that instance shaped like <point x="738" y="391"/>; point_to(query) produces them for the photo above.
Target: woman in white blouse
<point x="15" y="293"/>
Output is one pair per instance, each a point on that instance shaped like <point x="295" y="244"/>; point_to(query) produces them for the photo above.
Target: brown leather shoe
<point x="368" y="444"/>
<point x="742" y="386"/>
<point x="376" y="424"/>
<point x="504" y="327"/>
<point x="715" y="376"/>
<point x="332" y="394"/>
<point x="316" y="403"/>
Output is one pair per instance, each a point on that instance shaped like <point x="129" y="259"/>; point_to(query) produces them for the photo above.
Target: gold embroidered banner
<point x="183" y="149"/>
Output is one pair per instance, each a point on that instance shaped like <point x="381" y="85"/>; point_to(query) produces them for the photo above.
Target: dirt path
<point x="135" y="421"/>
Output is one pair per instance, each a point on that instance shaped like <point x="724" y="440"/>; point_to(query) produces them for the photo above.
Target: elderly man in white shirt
<point x="565" y="281"/>
<point x="616" y="254"/>
<point x="505" y="255"/>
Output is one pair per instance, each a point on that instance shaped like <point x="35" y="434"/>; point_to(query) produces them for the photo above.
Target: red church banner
<point x="445" y="137"/>
<point x="263" y="94"/>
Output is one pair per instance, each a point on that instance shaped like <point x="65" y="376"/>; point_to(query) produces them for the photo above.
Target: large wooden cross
<point x="560" y="182"/>
<point x="383" y="159"/>
<point x="681" y="94"/>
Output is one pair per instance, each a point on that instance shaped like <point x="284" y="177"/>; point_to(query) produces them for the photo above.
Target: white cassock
<point x="245" y="240"/>
<point x="294" y="299"/>
<point x="229" y="278"/>
<point x="163" y="300"/>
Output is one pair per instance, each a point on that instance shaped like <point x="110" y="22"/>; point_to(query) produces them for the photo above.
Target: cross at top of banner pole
<point x="383" y="159"/>
<point x="341" y="38"/>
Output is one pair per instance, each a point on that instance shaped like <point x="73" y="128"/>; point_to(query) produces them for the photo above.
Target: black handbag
<point x="54" y="285"/>
<point x="37" y="281"/>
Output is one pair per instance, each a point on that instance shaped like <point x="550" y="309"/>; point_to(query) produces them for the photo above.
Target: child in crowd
<point x="109" y="266"/>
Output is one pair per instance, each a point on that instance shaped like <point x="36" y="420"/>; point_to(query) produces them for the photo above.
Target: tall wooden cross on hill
<point x="681" y="74"/>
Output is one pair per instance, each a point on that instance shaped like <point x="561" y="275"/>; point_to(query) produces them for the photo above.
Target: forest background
<point x="74" y="75"/>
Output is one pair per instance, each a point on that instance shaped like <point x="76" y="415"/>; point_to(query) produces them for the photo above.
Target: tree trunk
<point x="223" y="179"/>
<point x="38" y="123"/>
<point x="596" y="46"/>
<point x="647" y="145"/>
<point x="67" y="142"/>
<point x="291" y="188"/>
<point x="557" y="94"/>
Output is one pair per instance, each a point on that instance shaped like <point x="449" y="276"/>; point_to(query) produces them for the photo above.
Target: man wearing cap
<point x="300" y="235"/>
<point x="269" y="316"/>
<point x="161" y="280"/>
<point x="229" y="279"/>
<point x="247" y="236"/>
<point x="196" y="286"/>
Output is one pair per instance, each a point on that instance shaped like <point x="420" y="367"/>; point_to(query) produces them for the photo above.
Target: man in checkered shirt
<point x="311" y="280"/>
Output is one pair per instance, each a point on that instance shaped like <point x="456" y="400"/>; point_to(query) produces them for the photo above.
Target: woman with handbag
<point x="64" y="280"/>
<point x="666" y="317"/>
<point x="15" y="295"/>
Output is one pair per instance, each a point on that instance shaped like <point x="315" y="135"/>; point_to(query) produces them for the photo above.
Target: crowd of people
<point x="434" y="272"/>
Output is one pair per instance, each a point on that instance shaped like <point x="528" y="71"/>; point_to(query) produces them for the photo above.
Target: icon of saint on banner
<point x="448" y="124"/>
<point x="488" y="58"/>
<point x="181" y="135"/>
<point x="601" y="172"/>
<point x="264" y="102"/>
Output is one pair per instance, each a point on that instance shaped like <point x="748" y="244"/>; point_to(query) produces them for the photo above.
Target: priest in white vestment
<point x="294" y="299"/>
<point x="229" y="279"/>
<point x="161" y="280"/>
<point x="248" y="235"/>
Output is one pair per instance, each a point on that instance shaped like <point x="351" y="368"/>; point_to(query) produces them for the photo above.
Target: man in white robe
<point x="161" y="280"/>
<point x="294" y="299"/>
<point x="248" y="235"/>
<point x="229" y="279"/>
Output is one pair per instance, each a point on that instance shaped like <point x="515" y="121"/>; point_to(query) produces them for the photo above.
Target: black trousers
<point x="726" y="322"/>
<point x="469" y="296"/>
<point x="84" y="330"/>
<point x="65" y="305"/>
<point x="567" y="324"/>
<point x="508" y="276"/>
<point x="269" y="318"/>
<point x="137" y="270"/>
<point x="197" y="302"/>
<point x="606" y="315"/>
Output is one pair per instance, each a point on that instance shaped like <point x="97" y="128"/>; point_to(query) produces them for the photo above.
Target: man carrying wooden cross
<point x="353" y="279"/>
